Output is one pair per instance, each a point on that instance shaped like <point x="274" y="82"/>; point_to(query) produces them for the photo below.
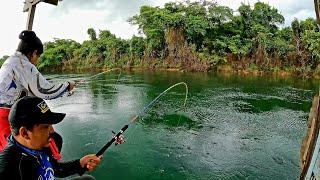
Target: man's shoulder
<point x="9" y="159"/>
<point x="10" y="155"/>
<point x="10" y="150"/>
<point x="12" y="160"/>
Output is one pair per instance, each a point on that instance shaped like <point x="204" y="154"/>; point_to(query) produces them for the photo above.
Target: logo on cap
<point x="43" y="107"/>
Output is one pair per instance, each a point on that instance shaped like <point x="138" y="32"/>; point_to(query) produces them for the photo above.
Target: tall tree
<point x="92" y="34"/>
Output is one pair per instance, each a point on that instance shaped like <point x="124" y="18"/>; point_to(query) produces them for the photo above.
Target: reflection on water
<point x="233" y="127"/>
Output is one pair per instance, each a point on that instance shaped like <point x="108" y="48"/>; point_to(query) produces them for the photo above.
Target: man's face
<point x="40" y="135"/>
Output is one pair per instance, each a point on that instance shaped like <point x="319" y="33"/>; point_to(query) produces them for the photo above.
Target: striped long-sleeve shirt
<point x="18" y="77"/>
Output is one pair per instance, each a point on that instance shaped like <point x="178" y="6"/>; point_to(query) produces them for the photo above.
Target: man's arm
<point x="90" y="162"/>
<point x="65" y="169"/>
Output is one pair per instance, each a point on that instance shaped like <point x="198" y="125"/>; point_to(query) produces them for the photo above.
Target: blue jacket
<point x="16" y="164"/>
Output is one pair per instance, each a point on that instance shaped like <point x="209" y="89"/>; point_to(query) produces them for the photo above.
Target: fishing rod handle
<point x="105" y="147"/>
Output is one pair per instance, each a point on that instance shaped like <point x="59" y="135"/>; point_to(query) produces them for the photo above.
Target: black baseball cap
<point x="32" y="110"/>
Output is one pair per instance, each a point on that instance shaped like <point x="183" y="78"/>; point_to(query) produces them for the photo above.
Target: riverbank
<point x="221" y="69"/>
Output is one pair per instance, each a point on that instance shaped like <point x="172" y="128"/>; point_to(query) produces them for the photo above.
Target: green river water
<point x="233" y="127"/>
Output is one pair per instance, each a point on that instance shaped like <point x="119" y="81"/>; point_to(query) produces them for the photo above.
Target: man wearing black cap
<point x="27" y="155"/>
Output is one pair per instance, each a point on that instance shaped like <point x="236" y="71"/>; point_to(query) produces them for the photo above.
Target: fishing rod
<point x="53" y="146"/>
<point x="135" y="119"/>
<point x="85" y="79"/>
<point x="140" y="115"/>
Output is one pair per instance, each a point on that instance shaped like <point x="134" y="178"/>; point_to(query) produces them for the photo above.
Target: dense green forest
<point x="198" y="36"/>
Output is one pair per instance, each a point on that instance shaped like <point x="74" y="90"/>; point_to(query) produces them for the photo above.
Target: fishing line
<point x="141" y="113"/>
<point x="136" y="118"/>
<point x="94" y="76"/>
<point x="86" y="79"/>
<point x="53" y="146"/>
<point x="146" y="109"/>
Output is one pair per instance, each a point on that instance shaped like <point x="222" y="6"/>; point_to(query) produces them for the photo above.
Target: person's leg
<point x="4" y="127"/>
<point x="58" y="140"/>
<point x="56" y="145"/>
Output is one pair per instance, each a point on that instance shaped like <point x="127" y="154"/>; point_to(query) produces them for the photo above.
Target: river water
<point x="233" y="127"/>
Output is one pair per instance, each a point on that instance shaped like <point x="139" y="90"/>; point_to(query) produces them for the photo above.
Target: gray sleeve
<point x="38" y="85"/>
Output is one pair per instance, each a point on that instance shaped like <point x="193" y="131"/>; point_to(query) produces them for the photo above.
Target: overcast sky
<point x="71" y="18"/>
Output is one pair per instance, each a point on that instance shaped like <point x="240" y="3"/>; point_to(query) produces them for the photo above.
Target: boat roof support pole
<point x="317" y="8"/>
<point x="30" y="7"/>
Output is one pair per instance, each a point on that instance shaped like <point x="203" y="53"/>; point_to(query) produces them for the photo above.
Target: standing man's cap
<point x="31" y="111"/>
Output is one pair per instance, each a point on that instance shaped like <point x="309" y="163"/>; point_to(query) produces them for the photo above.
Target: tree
<point x="239" y="47"/>
<point x="311" y="39"/>
<point x="92" y="34"/>
<point x="197" y="35"/>
<point x="309" y="25"/>
<point x="57" y="53"/>
<point x="282" y="43"/>
<point x="295" y="25"/>
<point x="267" y="16"/>
<point x="137" y="47"/>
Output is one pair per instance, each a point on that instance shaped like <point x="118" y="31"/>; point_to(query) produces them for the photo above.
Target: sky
<point x="71" y="18"/>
